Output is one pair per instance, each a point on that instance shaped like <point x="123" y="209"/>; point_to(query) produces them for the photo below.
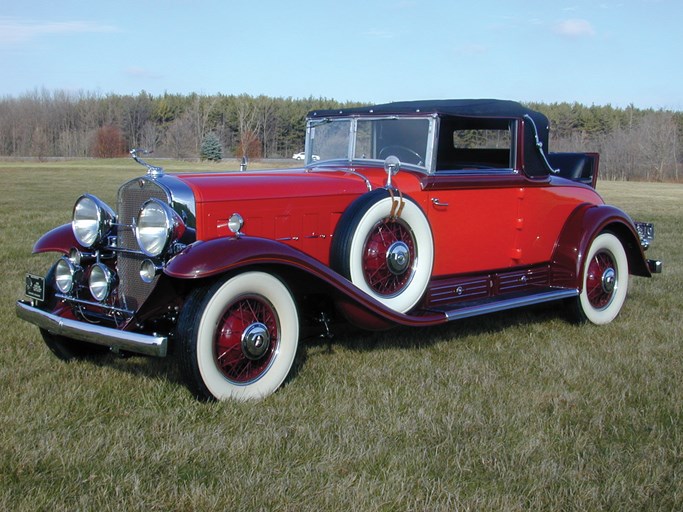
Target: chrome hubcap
<point x="398" y="258"/>
<point x="609" y="280"/>
<point x="255" y="341"/>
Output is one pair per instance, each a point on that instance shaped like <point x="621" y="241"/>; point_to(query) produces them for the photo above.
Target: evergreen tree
<point x="211" y="148"/>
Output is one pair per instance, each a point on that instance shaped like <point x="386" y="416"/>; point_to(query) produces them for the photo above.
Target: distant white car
<point x="302" y="156"/>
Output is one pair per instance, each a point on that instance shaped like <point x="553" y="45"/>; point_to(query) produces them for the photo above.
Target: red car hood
<point x="245" y="186"/>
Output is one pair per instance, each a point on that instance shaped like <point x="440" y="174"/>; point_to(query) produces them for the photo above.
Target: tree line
<point x="634" y="144"/>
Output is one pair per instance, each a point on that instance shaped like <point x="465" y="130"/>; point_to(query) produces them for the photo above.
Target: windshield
<point x="407" y="138"/>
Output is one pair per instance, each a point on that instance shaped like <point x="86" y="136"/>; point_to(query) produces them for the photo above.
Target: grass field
<point x="515" y="411"/>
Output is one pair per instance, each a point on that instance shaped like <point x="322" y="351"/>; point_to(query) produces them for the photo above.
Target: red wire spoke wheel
<point x="605" y="280"/>
<point x="388" y="257"/>
<point x="383" y="244"/>
<point x="246" y="339"/>
<point x="238" y="337"/>
<point x="601" y="280"/>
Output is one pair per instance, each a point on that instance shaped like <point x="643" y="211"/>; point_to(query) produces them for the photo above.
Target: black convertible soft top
<point x="535" y="161"/>
<point x="461" y="107"/>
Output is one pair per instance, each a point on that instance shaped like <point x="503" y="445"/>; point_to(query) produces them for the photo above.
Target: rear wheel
<point x="605" y="281"/>
<point x="238" y="337"/>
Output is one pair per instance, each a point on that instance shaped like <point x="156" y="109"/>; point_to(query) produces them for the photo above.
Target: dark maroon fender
<point x="580" y="229"/>
<point x="221" y="255"/>
<point x="60" y="239"/>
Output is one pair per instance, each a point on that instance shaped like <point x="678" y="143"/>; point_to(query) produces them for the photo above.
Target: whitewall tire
<point x="383" y="244"/>
<point x="605" y="280"/>
<point x="239" y="337"/>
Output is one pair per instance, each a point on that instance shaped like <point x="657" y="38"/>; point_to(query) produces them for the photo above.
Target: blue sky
<point x="593" y="52"/>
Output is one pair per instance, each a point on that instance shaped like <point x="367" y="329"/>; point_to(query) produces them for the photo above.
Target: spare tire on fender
<point x="383" y="244"/>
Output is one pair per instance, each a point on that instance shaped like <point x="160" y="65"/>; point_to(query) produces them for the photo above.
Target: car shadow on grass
<point x="415" y="337"/>
<point x="348" y="337"/>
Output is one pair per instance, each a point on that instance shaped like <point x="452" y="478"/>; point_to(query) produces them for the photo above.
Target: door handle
<point x="436" y="202"/>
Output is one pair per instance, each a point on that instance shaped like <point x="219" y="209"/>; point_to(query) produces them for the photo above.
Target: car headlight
<point x="101" y="281"/>
<point x="92" y="220"/>
<point x="157" y="226"/>
<point x="67" y="273"/>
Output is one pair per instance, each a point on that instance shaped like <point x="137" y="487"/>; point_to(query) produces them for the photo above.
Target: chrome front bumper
<point x="146" y="344"/>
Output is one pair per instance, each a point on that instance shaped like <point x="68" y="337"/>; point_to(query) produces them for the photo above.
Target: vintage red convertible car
<point x="405" y="214"/>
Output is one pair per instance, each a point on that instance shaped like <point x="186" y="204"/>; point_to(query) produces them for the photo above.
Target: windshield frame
<point x="313" y="160"/>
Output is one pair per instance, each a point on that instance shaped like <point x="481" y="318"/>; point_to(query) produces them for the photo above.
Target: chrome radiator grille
<point x="133" y="291"/>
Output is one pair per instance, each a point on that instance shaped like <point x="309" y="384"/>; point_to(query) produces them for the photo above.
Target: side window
<point x="475" y="143"/>
<point x="482" y="139"/>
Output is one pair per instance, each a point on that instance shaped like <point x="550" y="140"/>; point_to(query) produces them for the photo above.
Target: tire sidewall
<point x="605" y="242"/>
<point x="216" y="301"/>
<point x="418" y="224"/>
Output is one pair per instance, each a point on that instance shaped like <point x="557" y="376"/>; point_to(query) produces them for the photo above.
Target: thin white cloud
<point x="16" y="31"/>
<point x="574" y="28"/>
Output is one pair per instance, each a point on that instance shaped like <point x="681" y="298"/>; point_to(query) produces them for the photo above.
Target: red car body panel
<point x="298" y="208"/>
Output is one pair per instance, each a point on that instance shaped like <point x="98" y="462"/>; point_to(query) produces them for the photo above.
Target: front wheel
<point x="238" y="338"/>
<point x="605" y="281"/>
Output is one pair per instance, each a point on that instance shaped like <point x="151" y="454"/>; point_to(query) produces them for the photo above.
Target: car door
<point x="476" y="195"/>
<point x="473" y="220"/>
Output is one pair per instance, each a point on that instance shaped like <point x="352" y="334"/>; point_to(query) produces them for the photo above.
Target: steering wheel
<point x="409" y="156"/>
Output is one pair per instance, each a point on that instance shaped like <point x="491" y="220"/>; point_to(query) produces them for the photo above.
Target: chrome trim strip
<point x="95" y="304"/>
<point x="114" y="248"/>
<point x="151" y="345"/>
<point x="516" y="302"/>
<point x="345" y="170"/>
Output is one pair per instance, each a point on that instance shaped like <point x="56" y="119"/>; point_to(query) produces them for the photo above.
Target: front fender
<point x="584" y="224"/>
<point x="221" y="255"/>
<point x="60" y="239"/>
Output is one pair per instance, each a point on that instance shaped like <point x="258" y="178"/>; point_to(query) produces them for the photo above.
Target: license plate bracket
<point x="35" y="287"/>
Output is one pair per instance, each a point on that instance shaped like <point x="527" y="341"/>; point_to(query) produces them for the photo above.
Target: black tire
<point x="238" y="337"/>
<point x="384" y="246"/>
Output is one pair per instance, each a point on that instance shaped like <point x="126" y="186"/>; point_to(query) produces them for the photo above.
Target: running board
<point x="484" y="307"/>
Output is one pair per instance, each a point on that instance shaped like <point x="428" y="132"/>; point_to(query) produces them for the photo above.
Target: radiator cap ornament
<point x="152" y="170"/>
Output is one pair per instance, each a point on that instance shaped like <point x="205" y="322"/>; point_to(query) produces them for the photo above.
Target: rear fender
<point x="579" y="231"/>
